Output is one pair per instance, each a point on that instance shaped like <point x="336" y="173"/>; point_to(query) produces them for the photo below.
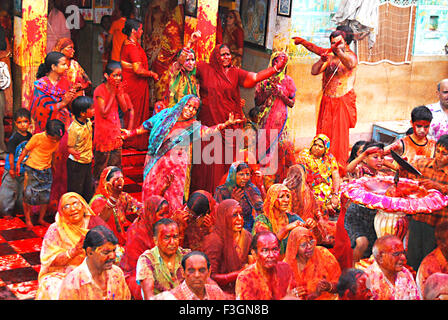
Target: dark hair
<point x="103" y="18"/>
<point x="347" y="281"/>
<point x="371" y="144"/>
<point x="52" y="58"/>
<point x="253" y="244"/>
<point x="348" y="33"/>
<point x="421" y="113"/>
<point x="98" y="236"/>
<point x="409" y="131"/>
<point x="21" y="113"/>
<point x="198" y="203"/>
<point x="111" y="67"/>
<point x="81" y="104"/>
<point x="126" y="8"/>
<point x="337" y="33"/>
<point x="355" y="149"/>
<point x="131" y="24"/>
<point x="165" y="222"/>
<point x="55" y="128"/>
<point x="111" y="172"/>
<point x="194" y="253"/>
<point x="443" y="141"/>
<point x="242" y="166"/>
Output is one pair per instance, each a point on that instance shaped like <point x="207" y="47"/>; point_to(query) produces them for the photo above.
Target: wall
<point x="384" y="91"/>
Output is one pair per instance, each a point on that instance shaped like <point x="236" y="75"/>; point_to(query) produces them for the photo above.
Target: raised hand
<point x="281" y="62"/>
<point x="298" y="40"/>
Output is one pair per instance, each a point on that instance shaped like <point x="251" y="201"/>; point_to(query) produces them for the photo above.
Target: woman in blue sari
<point x="169" y="158"/>
<point x="239" y="187"/>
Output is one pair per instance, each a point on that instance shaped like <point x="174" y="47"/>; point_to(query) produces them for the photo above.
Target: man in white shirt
<point x="439" y="123"/>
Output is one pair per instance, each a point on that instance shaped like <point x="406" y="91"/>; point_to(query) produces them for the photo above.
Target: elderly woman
<point x="172" y="132"/>
<point x="75" y="74"/>
<point x="238" y="186"/>
<point x="112" y="204"/>
<point x="316" y="270"/>
<point x="195" y="219"/>
<point x="62" y="244"/>
<point x="278" y="217"/>
<point x="322" y="173"/>
<point x="228" y="245"/>
<point x="304" y="204"/>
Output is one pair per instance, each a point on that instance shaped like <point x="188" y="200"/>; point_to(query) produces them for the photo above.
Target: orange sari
<point x="322" y="265"/>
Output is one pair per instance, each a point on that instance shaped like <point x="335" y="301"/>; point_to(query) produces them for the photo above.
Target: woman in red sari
<point x="233" y="37"/>
<point x="52" y="94"/>
<point x="228" y="245"/>
<point x="140" y="238"/>
<point x="135" y="76"/>
<point x="195" y="219"/>
<point x="220" y="84"/>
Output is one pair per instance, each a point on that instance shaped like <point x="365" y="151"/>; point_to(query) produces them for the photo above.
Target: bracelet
<point x="67" y="253"/>
<point x="275" y="68"/>
<point x="111" y="202"/>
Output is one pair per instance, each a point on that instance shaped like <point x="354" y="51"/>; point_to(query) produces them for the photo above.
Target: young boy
<point x="417" y="144"/>
<point x="79" y="143"/>
<point x="434" y="172"/>
<point x="11" y="189"/>
<point x="40" y="150"/>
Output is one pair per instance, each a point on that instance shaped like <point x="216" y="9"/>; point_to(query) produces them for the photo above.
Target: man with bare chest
<point x="337" y="112"/>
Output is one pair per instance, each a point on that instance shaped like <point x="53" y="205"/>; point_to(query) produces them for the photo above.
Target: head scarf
<point x="296" y="237"/>
<point x="237" y="18"/>
<point x="270" y="212"/>
<point x="318" y="166"/>
<point x="178" y="82"/>
<point x="101" y="189"/>
<point x="215" y="62"/>
<point x="223" y="229"/>
<point x="304" y="203"/>
<point x="73" y="233"/>
<point x="151" y="206"/>
<point x="231" y="176"/>
<point x="68" y="234"/>
<point x="201" y="202"/>
<point x="62" y="43"/>
<point x="162" y="123"/>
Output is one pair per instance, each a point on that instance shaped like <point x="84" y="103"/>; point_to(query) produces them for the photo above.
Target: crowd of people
<point x="226" y="229"/>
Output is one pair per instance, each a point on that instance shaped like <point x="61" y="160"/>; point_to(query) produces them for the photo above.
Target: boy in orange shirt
<point x="40" y="151"/>
<point x="417" y="144"/>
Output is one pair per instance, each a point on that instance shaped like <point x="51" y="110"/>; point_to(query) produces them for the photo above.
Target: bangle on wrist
<point x="67" y="253"/>
<point x="111" y="202"/>
<point x="275" y="68"/>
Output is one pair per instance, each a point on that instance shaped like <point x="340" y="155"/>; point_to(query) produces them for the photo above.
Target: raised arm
<point x="253" y="78"/>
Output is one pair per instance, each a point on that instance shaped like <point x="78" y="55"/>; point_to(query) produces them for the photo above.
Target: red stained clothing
<point x="137" y="88"/>
<point x="336" y="116"/>
<point x="252" y="285"/>
<point x="220" y="95"/>
<point x="107" y="127"/>
<point x="433" y="263"/>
